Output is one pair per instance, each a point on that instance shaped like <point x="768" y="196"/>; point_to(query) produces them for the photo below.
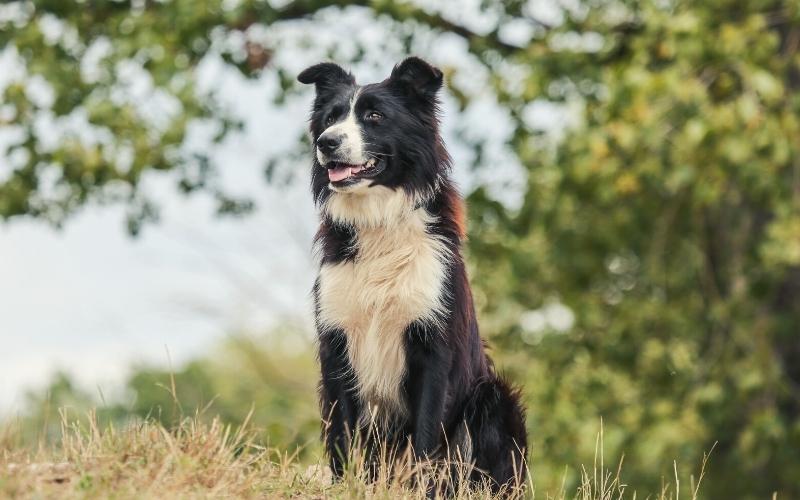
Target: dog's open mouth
<point x="341" y="173"/>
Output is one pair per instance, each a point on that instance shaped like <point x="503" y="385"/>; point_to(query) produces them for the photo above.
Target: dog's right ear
<point x="416" y="77"/>
<point x="325" y="76"/>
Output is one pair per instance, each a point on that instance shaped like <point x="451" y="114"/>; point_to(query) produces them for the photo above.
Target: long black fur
<point x="450" y="382"/>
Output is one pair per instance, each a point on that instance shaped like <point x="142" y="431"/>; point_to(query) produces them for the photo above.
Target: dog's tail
<point x="495" y="420"/>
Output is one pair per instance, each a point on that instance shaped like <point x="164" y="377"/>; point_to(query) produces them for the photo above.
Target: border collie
<point x="398" y="339"/>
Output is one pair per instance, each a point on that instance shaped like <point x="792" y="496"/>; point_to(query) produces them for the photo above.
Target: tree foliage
<point x="665" y="220"/>
<point x="115" y="81"/>
<point x="668" y="220"/>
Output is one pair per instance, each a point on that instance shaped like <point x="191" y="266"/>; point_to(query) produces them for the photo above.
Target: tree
<point x="665" y="221"/>
<point x="668" y="219"/>
<point x="81" y="60"/>
<point x="116" y="82"/>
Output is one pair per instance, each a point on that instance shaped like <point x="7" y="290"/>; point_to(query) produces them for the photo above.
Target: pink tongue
<point x="339" y="173"/>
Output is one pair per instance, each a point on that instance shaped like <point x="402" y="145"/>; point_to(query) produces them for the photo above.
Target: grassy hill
<point x="202" y="458"/>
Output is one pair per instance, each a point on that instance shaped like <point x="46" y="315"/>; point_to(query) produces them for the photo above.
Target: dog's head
<point x="380" y="135"/>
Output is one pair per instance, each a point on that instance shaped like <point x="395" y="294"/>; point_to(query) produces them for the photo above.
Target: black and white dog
<point x="398" y="338"/>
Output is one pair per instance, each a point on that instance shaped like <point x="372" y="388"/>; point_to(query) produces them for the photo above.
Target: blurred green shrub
<point x="240" y="376"/>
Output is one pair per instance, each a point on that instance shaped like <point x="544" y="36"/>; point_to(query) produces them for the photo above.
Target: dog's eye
<point x="374" y="116"/>
<point x="329" y="121"/>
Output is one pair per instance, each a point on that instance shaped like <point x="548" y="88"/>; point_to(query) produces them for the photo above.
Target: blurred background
<point x="632" y="170"/>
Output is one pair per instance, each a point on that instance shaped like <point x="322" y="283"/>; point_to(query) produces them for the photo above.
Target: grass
<point x="202" y="460"/>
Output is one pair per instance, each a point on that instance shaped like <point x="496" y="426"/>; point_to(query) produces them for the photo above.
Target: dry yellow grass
<point x="204" y="460"/>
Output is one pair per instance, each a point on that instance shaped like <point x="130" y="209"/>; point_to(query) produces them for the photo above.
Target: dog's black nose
<point x="328" y="144"/>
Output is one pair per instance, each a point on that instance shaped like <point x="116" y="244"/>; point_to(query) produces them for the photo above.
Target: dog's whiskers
<point x="377" y="154"/>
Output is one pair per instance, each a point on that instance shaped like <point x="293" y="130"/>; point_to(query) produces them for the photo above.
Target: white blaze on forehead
<point x="352" y="148"/>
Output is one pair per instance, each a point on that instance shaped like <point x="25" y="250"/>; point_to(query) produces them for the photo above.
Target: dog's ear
<point x="325" y="76"/>
<point x="416" y="77"/>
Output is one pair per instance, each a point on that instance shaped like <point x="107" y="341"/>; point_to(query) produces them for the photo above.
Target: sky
<point x="90" y="300"/>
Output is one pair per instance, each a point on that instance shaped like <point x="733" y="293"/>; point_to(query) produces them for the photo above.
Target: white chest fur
<point x="395" y="279"/>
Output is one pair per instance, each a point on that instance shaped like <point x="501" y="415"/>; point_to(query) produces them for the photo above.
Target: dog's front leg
<point x="339" y="404"/>
<point x="429" y="361"/>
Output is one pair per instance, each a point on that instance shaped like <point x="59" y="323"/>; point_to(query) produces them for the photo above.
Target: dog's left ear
<point x="326" y="76"/>
<point x="416" y="77"/>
